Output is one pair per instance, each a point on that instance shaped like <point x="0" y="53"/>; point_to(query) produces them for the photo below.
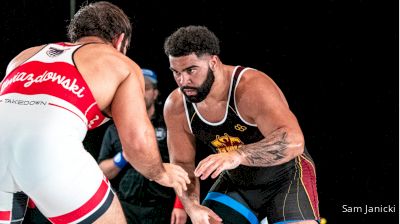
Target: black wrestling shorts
<point x="290" y="196"/>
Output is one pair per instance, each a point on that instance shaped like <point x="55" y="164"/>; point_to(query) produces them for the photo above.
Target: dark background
<point x="336" y="62"/>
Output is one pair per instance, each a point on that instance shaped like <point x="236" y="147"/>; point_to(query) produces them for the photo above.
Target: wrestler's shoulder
<point x="253" y="79"/>
<point x="105" y="56"/>
<point x="104" y="52"/>
<point x="23" y="56"/>
<point x="254" y="75"/>
<point x="174" y="102"/>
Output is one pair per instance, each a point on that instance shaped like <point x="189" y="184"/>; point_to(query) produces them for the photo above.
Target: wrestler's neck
<point x="220" y="88"/>
<point x="91" y="39"/>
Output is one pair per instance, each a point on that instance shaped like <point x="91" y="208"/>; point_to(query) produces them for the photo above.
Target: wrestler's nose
<point x="184" y="79"/>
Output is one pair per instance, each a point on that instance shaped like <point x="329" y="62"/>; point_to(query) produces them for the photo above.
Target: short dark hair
<point x="192" y="39"/>
<point x="101" y="19"/>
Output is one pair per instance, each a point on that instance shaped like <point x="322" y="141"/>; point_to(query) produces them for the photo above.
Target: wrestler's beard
<point x="202" y="91"/>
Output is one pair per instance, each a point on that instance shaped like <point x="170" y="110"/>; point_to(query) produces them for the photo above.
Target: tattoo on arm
<point x="194" y="197"/>
<point x="191" y="193"/>
<point x="268" y="152"/>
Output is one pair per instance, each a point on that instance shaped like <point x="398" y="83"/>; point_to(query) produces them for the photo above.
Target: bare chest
<point x="212" y="112"/>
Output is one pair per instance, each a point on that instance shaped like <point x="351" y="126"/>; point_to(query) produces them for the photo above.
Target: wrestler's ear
<point x="213" y="62"/>
<point x="118" y="43"/>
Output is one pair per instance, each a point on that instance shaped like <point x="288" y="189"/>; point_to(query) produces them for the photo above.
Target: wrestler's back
<point x="46" y="108"/>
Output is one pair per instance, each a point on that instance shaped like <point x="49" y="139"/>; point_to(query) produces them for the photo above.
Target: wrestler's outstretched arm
<point x="260" y="102"/>
<point x="182" y="151"/>
<point x="137" y="134"/>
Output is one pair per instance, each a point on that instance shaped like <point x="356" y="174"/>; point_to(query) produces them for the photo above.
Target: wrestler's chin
<point x="192" y="98"/>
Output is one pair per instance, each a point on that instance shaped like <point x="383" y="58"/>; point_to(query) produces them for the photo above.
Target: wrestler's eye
<point x="176" y="74"/>
<point x="190" y="71"/>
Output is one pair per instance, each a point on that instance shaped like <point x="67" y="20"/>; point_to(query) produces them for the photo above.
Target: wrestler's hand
<point x="175" y="177"/>
<point x="202" y="215"/>
<point x="216" y="163"/>
<point x="178" y="216"/>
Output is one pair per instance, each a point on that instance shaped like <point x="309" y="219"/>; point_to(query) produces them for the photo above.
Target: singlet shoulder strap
<point x="238" y="71"/>
<point x="189" y="110"/>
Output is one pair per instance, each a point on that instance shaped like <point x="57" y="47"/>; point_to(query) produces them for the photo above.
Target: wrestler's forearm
<point x="279" y="147"/>
<point x="144" y="156"/>
<point x="191" y="197"/>
<point x="148" y="164"/>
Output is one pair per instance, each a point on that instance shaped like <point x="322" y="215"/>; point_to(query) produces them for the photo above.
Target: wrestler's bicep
<point x="181" y="143"/>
